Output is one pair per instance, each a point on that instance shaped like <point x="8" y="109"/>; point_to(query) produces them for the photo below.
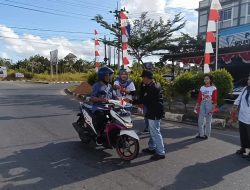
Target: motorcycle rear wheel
<point x="82" y="134"/>
<point x="127" y="147"/>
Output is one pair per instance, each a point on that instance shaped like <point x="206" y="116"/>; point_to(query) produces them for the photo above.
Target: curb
<point x="78" y="96"/>
<point x="66" y="82"/>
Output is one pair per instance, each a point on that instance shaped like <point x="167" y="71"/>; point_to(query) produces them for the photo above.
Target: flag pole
<point x="217" y="45"/>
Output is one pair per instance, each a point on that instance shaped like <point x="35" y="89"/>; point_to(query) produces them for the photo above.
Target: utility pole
<point x="105" y="49"/>
<point x="117" y="26"/>
<point x="217" y="45"/>
<point x="109" y="53"/>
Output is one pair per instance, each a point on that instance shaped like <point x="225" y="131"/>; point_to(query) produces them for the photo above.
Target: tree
<point x="70" y="60"/>
<point x="186" y="44"/>
<point x="5" y="62"/>
<point x="147" y="35"/>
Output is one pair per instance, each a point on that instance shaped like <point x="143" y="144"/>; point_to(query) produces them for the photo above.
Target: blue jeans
<point x="205" y="118"/>
<point x="155" y="141"/>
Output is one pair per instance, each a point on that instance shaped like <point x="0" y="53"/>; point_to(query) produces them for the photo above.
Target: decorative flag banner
<point x="97" y="52"/>
<point x="211" y="37"/>
<point x="209" y="48"/>
<point x="211" y="29"/>
<point x="125" y="34"/>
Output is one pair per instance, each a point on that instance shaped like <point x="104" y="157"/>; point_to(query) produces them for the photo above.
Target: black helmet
<point x="103" y="71"/>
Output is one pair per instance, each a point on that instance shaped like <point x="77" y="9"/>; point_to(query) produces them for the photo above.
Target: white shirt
<point x="244" y="113"/>
<point x="130" y="88"/>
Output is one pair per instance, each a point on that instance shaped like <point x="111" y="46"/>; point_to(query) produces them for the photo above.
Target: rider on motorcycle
<point x="102" y="92"/>
<point x="124" y="86"/>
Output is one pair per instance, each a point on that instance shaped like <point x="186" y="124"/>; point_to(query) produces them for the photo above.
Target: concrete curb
<point x="66" y="82"/>
<point x="79" y="96"/>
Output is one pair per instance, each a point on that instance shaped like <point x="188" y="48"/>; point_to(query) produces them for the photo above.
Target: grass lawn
<point x="61" y="77"/>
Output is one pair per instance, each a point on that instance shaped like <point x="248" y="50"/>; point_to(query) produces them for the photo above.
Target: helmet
<point x="123" y="71"/>
<point x="103" y="71"/>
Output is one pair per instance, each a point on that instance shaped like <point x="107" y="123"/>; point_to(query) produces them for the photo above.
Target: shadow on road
<point x="205" y="175"/>
<point x="57" y="164"/>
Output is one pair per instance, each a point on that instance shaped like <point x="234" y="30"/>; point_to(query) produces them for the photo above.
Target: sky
<point x="30" y="27"/>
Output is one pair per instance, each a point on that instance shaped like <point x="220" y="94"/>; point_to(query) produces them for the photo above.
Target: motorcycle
<point x="118" y="131"/>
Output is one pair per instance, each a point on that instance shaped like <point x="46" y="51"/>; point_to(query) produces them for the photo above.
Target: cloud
<point x="137" y="6"/>
<point x="25" y="45"/>
<point x="184" y="4"/>
<point x="165" y="9"/>
<point x="4" y="55"/>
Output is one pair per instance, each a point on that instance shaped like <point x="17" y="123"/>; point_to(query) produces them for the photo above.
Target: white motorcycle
<point x="118" y="131"/>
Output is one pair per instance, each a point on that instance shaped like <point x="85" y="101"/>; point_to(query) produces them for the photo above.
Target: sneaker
<point x="246" y="156"/>
<point x="198" y="137"/>
<point x="156" y="157"/>
<point x="203" y="138"/>
<point x="148" y="151"/>
<point x="146" y="130"/>
<point x="241" y="151"/>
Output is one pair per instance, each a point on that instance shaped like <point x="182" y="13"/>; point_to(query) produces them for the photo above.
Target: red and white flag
<point x="211" y="29"/>
<point x="124" y="24"/>
<point x="97" y="52"/>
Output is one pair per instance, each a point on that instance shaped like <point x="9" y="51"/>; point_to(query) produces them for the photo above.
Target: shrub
<point x="223" y="80"/>
<point x="198" y="81"/>
<point x="187" y="82"/>
<point x="28" y="75"/>
<point x="183" y="86"/>
<point x="92" y="77"/>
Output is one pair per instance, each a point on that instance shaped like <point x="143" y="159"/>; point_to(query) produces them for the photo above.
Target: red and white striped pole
<point x="97" y="53"/>
<point x="124" y="23"/>
<point x="211" y="33"/>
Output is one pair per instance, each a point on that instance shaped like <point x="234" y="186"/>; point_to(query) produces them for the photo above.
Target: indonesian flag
<point x="97" y="53"/>
<point x="211" y="29"/>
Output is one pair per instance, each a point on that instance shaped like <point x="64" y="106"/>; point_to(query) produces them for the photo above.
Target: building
<point x="234" y="38"/>
<point x="235" y="13"/>
<point x="234" y="34"/>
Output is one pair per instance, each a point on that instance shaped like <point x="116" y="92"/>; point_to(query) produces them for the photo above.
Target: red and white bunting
<point x="97" y="52"/>
<point x="211" y="29"/>
<point x="124" y="23"/>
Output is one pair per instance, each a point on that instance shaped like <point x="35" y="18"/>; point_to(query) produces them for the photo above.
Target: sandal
<point x="242" y="151"/>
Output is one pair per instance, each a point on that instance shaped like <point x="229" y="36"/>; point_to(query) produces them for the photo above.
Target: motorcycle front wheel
<point x="127" y="147"/>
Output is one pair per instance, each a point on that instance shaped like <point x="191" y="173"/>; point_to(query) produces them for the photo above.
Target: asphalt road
<point x="40" y="150"/>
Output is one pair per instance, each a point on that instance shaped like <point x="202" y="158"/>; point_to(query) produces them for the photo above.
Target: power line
<point x="88" y="16"/>
<point x="78" y="5"/>
<point x="88" y="3"/>
<point x="41" y="11"/>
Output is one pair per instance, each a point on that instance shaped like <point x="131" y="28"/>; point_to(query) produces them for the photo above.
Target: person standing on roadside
<point x="206" y="106"/>
<point x="152" y="99"/>
<point x="242" y="103"/>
